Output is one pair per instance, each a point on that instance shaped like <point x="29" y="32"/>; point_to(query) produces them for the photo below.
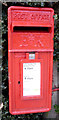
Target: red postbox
<point x="30" y="59"/>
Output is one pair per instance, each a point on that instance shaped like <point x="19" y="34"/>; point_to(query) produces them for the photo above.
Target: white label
<point x="31" y="79"/>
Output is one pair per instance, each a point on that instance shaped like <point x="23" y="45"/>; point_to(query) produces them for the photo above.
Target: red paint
<point x="55" y="89"/>
<point x="30" y="30"/>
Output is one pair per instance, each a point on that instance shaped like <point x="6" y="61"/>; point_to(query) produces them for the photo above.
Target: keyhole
<point x="18" y="82"/>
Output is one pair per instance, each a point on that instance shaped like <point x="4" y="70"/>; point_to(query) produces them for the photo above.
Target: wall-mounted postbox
<point x="30" y="59"/>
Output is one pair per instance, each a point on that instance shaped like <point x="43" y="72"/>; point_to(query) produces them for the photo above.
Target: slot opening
<point x="31" y="29"/>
